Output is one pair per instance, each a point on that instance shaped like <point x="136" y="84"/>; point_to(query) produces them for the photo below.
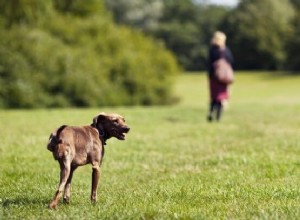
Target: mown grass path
<point x="173" y="164"/>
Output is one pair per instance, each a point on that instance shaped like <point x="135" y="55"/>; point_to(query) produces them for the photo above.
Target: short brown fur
<point x="77" y="146"/>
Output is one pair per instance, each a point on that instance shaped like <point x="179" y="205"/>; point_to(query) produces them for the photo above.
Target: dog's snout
<point x="126" y="129"/>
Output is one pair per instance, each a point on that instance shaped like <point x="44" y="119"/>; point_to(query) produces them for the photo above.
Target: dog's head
<point x="113" y="125"/>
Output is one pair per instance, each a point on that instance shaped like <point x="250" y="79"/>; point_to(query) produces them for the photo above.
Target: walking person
<point x="218" y="88"/>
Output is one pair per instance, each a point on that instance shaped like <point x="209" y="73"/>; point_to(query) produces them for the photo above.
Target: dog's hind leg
<point x="65" y="168"/>
<point x="67" y="192"/>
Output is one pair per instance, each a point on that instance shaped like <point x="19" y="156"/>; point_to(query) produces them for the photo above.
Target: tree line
<point x="263" y="34"/>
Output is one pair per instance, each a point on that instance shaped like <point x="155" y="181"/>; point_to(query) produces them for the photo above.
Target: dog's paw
<point x="52" y="205"/>
<point x="93" y="200"/>
<point x="67" y="200"/>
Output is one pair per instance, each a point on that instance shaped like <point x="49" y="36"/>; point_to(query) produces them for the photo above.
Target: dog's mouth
<point x="121" y="134"/>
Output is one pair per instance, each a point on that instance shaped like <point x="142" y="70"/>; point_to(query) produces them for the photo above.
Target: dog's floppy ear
<point x="99" y="118"/>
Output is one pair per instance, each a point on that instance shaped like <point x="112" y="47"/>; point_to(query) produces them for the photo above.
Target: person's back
<point x="215" y="53"/>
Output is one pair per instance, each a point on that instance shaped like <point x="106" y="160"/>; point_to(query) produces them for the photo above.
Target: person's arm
<point x="229" y="56"/>
<point x="210" y="61"/>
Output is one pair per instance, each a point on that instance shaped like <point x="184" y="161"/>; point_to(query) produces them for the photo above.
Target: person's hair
<point x="219" y="39"/>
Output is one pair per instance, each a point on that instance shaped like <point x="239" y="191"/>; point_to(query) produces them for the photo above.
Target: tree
<point x="296" y="3"/>
<point x="178" y="29"/>
<point x="258" y="31"/>
<point x="140" y="14"/>
<point x="80" y="7"/>
<point x="293" y="46"/>
<point x="187" y="27"/>
<point x="184" y="26"/>
<point x="24" y="11"/>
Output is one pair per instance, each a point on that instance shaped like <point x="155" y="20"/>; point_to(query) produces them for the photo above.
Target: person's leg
<point x="211" y="110"/>
<point x="219" y="109"/>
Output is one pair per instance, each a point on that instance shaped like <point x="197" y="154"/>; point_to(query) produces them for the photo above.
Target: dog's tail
<point x="54" y="138"/>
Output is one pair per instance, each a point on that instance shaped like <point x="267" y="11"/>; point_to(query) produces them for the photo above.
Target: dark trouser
<point x="215" y="108"/>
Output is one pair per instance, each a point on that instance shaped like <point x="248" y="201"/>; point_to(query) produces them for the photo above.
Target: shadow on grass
<point x="6" y="203"/>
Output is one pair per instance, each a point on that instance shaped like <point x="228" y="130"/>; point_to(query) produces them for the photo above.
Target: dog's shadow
<point x="23" y="201"/>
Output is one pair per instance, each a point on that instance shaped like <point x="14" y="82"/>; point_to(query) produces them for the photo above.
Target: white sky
<point x="222" y="2"/>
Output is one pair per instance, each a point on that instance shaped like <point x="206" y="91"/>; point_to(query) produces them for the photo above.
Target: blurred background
<point x="87" y="53"/>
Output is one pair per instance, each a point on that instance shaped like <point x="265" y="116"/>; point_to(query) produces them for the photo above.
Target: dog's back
<point x="79" y="143"/>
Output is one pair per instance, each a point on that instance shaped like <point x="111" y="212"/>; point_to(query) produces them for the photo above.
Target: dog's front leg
<point x="64" y="175"/>
<point x="67" y="192"/>
<point x="95" y="181"/>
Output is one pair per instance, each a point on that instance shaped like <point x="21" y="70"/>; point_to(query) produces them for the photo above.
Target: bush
<point x="81" y="61"/>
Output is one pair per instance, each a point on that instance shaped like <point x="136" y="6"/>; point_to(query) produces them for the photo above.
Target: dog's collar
<point x="101" y="133"/>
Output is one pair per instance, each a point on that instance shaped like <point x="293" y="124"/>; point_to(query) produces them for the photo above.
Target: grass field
<point x="173" y="165"/>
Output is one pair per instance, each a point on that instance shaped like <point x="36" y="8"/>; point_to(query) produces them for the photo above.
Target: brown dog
<point x="76" y="146"/>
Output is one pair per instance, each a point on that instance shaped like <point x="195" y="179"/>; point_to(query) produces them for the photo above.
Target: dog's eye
<point x="116" y="121"/>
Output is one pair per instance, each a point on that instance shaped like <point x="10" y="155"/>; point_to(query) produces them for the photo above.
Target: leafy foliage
<point x="183" y="26"/>
<point x="186" y="29"/>
<point x="141" y="14"/>
<point x="258" y="31"/>
<point x="25" y="11"/>
<point x="293" y="44"/>
<point x="76" y="56"/>
<point x="80" y="7"/>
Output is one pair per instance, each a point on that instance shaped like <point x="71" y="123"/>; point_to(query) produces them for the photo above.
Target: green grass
<point x="173" y="165"/>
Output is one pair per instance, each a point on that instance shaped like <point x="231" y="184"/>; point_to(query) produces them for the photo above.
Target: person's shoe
<point x="209" y="118"/>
